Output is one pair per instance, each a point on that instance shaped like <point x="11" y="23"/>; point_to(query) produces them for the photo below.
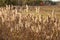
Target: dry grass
<point x="21" y="26"/>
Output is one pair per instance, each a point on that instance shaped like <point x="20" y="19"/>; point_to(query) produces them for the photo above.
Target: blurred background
<point x="29" y="2"/>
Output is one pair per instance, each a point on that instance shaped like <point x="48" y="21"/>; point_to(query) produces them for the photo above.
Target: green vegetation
<point x="18" y="2"/>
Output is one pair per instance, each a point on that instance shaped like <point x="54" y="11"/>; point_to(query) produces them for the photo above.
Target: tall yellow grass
<point x="15" y="25"/>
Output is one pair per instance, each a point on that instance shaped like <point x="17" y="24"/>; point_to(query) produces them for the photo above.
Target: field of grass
<point x="21" y="25"/>
<point x="48" y="10"/>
